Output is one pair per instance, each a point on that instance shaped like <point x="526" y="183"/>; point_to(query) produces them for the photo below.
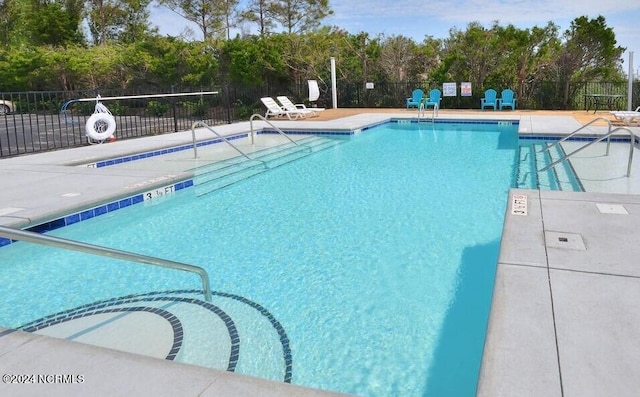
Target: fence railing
<point x="551" y="95"/>
<point x="36" y="124"/>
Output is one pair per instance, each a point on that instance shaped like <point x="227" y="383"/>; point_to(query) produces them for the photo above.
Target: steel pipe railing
<point x="57" y="242"/>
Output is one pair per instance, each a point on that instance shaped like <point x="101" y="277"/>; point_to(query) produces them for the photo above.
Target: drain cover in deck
<point x="570" y="241"/>
<point x="611" y="209"/>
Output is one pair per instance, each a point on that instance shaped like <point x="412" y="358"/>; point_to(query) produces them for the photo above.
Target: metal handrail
<point x="580" y="129"/>
<point x="631" y="146"/>
<point x="203" y="124"/>
<point x="261" y="117"/>
<point x="422" y="108"/>
<point x="65" y="106"/>
<point x="37" y="238"/>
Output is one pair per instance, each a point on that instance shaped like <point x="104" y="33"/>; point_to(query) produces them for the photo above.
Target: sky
<point x="422" y="18"/>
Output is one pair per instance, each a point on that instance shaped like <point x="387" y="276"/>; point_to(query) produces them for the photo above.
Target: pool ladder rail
<point x="37" y="238"/>
<point x="224" y="139"/>
<point x="261" y="117"/>
<point x="606" y="136"/>
<point x="422" y="110"/>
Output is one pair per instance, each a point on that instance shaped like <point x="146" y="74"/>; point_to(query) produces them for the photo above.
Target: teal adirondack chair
<point x="507" y="99"/>
<point x="435" y="96"/>
<point x="416" y="98"/>
<point x="489" y="99"/>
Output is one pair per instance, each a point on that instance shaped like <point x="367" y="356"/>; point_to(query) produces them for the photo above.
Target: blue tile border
<point x="501" y="123"/>
<point x="86" y="214"/>
<point x="308" y="132"/>
<point x="542" y="137"/>
<point x="392" y="121"/>
<point x="161" y="152"/>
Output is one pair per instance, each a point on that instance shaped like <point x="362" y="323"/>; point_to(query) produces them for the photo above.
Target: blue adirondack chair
<point x="507" y="99"/>
<point x="434" y="99"/>
<point x="416" y="98"/>
<point x="489" y="99"/>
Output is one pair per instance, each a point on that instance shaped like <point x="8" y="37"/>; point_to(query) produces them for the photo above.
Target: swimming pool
<point x="366" y="268"/>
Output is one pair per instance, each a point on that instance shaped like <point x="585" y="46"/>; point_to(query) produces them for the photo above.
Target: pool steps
<point x="547" y="180"/>
<point x="161" y="325"/>
<point x="565" y="175"/>
<point x="532" y="158"/>
<point x="222" y="174"/>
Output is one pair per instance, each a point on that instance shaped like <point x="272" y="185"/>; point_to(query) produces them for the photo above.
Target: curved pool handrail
<point x="205" y="125"/>
<point x="606" y="136"/>
<point x="547" y="148"/>
<point x="261" y="117"/>
<point x="57" y="242"/>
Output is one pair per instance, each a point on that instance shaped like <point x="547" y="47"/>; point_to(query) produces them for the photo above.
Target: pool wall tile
<point x="88" y="214"/>
<point x="307" y="132"/>
<point x="91" y="213"/>
<point x="161" y="152"/>
<point x="124" y="202"/>
<point x="621" y="139"/>
<point x="71" y="219"/>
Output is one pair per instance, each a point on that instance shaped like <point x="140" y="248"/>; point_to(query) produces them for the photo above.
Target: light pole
<point x="630" y="89"/>
<point x="334" y="93"/>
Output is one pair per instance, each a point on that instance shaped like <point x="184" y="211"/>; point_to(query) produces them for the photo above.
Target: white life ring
<point x="100" y="126"/>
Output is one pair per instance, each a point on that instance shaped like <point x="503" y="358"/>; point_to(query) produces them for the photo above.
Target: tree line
<point x="105" y="44"/>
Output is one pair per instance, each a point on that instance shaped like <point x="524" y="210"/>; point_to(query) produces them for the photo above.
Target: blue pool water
<point x="374" y="260"/>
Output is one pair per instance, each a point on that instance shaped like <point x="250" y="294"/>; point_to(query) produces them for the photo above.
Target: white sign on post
<point x="449" y="89"/>
<point x="465" y="89"/>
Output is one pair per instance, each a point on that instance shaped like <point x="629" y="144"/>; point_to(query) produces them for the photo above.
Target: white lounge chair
<point x="627" y="117"/>
<point x="275" y="110"/>
<point x="292" y="107"/>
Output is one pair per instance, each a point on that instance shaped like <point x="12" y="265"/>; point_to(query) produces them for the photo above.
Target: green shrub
<point x="157" y="109"/>
<point x="116" y="108"/>
<point x="197" y="109"/>
<point x="242" y="111"/>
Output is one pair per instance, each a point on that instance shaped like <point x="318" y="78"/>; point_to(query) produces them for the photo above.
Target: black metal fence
<point x="43" y="121"/>
<point x="549" y="95"/>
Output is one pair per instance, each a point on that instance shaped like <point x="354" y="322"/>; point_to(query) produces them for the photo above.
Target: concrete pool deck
<point x="564" y="318"/>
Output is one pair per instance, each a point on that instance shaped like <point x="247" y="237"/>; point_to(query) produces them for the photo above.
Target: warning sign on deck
<point x="519" y="204"/>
